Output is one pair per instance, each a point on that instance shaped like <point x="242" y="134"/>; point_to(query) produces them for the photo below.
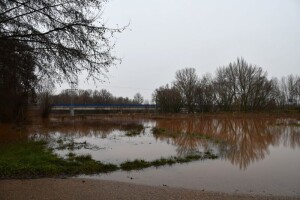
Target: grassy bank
<point x="33" y="159"/>
<point x="141" y="164"/>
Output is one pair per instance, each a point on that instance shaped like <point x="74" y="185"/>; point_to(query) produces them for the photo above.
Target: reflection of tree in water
<point x="83" y="129"/>
<point x="10" y="133"/>
<point x="242" y="140"/>
<point x="185" y="135"/>
<point x="247" y="140"/>
<point x="187" y="145"/>
<point x="294" y="133"/>
<point x="290" y="137"/>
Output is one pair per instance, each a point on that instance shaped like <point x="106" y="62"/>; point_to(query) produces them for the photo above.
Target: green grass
<point x="137" y="130"/>
<point x="294" y="124"/>
<point x="142" y="164"/>
<point x="161" y="131"/>
<point x="33" y="159"/>
<point x="69" y="144"/>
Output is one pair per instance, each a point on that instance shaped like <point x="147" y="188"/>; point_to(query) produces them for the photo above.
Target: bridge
<point x="103" y="108"/>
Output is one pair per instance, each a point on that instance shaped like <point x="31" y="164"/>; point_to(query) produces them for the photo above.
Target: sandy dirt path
<point x="48" y="189"/>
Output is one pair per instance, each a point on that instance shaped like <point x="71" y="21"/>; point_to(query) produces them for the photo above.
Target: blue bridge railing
<point x="107" y="105"/>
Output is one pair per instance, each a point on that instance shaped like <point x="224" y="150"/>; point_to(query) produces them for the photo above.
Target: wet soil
<point x="90" y="189"/>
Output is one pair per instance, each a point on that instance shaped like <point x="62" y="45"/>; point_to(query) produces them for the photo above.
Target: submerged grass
<point x="293" y="124"/>
<point x="142" y="164"/>
<point x="161" y="131"/>
<point x="137" y="130"/>
<point x="69" y="144"/>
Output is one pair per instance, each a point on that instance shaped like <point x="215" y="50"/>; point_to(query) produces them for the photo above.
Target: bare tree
<point x="90" y="97"/>
<point x="252" y="85"/>
<point x="84" y="97"/>
<point x="65" y="36"/>
<point x="205" y="96"/>
<point x="289" y="89"/>
<point x="276" y="94"/>
<point x="186" y="82"/>
<point x="225" y="87"/>
<point x="45" y="92"/>
<point x="103" y="96"/>
<point x="138" y="98"/>
<point x="237" y="86"/>
<point x="168" y="99"/>
<point x="243" y="85"/>
<point x="293" y="86"/>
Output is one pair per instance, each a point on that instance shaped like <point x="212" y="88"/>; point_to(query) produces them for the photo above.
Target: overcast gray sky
<point x="167" y="35"/>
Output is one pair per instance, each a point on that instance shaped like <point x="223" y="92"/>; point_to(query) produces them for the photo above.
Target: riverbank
<point x="73" y="188"/>
<point x="34" y="159"/>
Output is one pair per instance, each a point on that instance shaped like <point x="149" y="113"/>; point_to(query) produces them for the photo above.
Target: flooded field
<point x="256" y="154"/>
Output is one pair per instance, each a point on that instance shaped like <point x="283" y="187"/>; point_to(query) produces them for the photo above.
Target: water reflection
<point x="241" y="140"/>
<point x="11" y="133"/>
<point x="79" y="129"/>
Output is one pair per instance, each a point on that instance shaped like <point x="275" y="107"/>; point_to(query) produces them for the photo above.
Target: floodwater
<point x="258" y="154"/>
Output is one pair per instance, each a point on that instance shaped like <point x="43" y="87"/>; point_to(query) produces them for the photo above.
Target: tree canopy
<point x="66" y="36"/>
<point x="51" y="40"/>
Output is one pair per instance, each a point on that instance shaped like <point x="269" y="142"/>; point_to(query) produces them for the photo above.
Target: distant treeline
<point x="238" y="86"/>
<point x="93" y="97"/>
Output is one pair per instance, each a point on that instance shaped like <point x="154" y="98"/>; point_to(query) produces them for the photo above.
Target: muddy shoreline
<point x="73" y="188"/>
